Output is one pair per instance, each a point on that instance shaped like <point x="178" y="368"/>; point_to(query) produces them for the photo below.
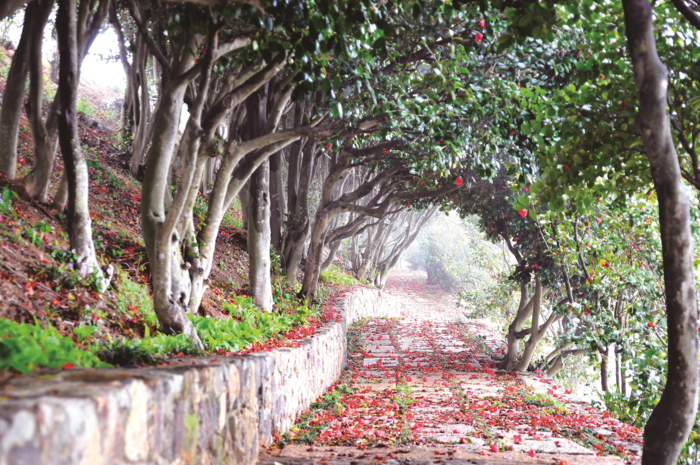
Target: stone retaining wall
<point x="218" y="410"/>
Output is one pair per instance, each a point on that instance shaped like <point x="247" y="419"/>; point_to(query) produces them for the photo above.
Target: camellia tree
<point x="634" y="145"/>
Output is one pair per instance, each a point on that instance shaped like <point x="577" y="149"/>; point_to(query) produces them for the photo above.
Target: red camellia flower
<point x="328" y="146"/>
<point x="459" y="181"/>
<point x="482" y="24"/>
<point x="515" y="239"/>
<point x="385" y="151"/>
<point x="522" y="213"/>
<point x="478" y="37"/>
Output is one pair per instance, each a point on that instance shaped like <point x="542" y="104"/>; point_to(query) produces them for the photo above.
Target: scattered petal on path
<point x="430" y="380"/>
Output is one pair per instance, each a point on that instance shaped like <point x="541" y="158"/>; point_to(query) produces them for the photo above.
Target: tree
<point x="79" y="224"/>
<point x="671" y="420"/>
<point x="89" y="22"/>
<point x="670" y="423"/>
<point x="14" y="92"/>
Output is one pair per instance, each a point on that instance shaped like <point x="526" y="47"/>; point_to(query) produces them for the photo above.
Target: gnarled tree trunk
<point x="79" y="224"/>
<point x="524" y="310"/>
<point x="259" y="238"/>
<point x="14" y="95"/>
<point x="37" y="181"/>
<point x="672" y="419"/>
<point x="535" y="336"/>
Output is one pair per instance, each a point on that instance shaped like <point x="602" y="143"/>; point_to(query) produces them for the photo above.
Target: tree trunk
<point x="623" y="379"/>
<point x="671" y="421"/>
<point x="604" y="385"/>
<point x="385" y="267"/>
<point x="170" y="274"/>
<point x="61" y="197"/>
<point x="259" y="235"/>
<point x="558" y="363"/>
<point x="142" y="107"/>
<point x="259" y="238"/>
<point x="38" y="180"/>
<point x="313" y="264"/>
<point x="331" y="256"/>
<point x="44" y="133"/>
<point x="239" y="162"/>
<point x="126" y="116"/>
<point x="524" y="309"/>
<point x="618" y="372"/>
<point x="243" y="198"/>
<point x="14" y="96"/>
<point x="277" y="204"/>
<point x="298" y="215"/>
<point x="371" y="244"/>
<point x="535" y="335"/>
<point x="79" y="224"/>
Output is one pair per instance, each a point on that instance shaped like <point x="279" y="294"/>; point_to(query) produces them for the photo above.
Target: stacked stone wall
<point x="203" y="410"/>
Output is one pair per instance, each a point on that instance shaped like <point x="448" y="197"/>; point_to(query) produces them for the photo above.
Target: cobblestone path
<point x="424" y="389"/>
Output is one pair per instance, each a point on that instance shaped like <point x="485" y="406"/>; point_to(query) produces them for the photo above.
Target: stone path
<point x="424" y="389"/>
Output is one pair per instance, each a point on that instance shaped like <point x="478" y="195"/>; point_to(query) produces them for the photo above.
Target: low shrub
<point x="25" y="347"/>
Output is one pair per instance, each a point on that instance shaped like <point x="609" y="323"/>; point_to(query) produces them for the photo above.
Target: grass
<point x="544" y="400"/>
<point x="146" y="351"/>
<point x="26" y="347"/>
<point x="315" y="420"/>
<point x="4" y="65"/>
<point x="248" y="325"/>
<point x="403" y="395"/>
<point x="334" y="275"/>
<point x="133" y="300"/>
<point x="84" y="105"/>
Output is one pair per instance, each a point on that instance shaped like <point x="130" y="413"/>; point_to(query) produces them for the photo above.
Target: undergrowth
<point x="126" y="331"/>
<point x="146" y="351"/>
<point x="334" y="275"/>
<point x="25" y="347"/>
<point x="248" y="324"/>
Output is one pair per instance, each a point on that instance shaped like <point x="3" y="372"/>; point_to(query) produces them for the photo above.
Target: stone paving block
<point x="560" y="445"/>
<point x="457" y="397"/>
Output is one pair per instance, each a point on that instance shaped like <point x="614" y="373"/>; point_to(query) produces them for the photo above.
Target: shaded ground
<point x="424" y="389"/>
